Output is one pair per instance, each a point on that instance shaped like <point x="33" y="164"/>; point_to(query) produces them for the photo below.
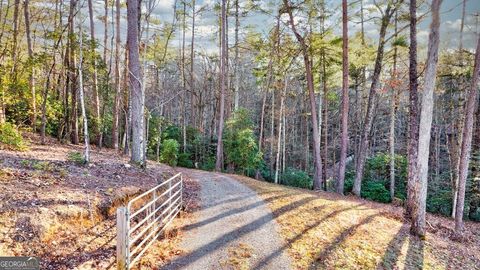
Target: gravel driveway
<point x="233" y="229"/>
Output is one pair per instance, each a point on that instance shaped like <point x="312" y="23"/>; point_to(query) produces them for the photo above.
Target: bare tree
<point x="192" y="65"/>
<point x="317" y="180"/>
<point x="236" y="67"/>
<point x="412" y="145"/>
<point x="367" y="123"/>
<point x="118" y="87"/>
<point x="80" y="88"/>
<point x="467" y="143"/>
<point x="72" y="74"/>
<point x="31" y="76"/>
<point x="105" y="34"/>
<point x="426" y="116"/>
<point x="280" y="129"/>
<point x="345" y="105"/>
<point x="96" y="99"/>
<point x="137" y="95"/>
<point x="223" y="86"/>
<point x="393" y="110"/>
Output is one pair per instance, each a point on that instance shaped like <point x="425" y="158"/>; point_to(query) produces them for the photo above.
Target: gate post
<point x="122" y="241"/>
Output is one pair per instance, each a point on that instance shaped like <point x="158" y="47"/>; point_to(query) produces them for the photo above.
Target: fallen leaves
<point x="328" y="231"/>
<point x="63" y="212"/>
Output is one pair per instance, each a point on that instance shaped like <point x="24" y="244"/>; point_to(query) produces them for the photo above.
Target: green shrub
<point x="349" y="178"/>
<point x="184" y="160"/>
<point x="296" y="178"/>
<point x="440" y="201"/>
<point x="169" y="153"/>
<point x="375" y="191"/>
<point x="240" y="146"/>
<point x="208" y="164"/>
<point x="77" y="158"/>
<point x="42" y="166"/>
<point x="11" y="138"/>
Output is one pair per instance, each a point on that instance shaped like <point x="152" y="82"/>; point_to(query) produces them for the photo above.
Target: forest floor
<point x="328" y="231"/>
<point x="64" y="213"/>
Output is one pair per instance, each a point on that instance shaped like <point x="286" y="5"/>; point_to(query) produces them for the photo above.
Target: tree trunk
<point x="223" y="80"/>
<point x="325" y="121"/>
<point x="393" y="110"/>
<point x="149" y="7"/>
<point x="475" y="186"/>
<point x="280" y="129"/>
<point x="105" y="34"/>
<point x="317" y="179"/>
<point x="16" y="9"/>
<point x="466" y="143"/>
<point x="118" y="88"/>
<point x="345" y="105"/>
<point x="96" y="100"/>
<point x="137" y="96"/>
<point x="80" y="89"/>
<point x="462" y="23"/>
<point x="412" y="145"/>
<point x="31" y="76"/>
<point x="72" y="74"/>
<point x="183" y="112"/>
<point x="237" y="74"/>
<point x="272" y="131"/>
<point x="426" y="116"/>
<point x="127" y="105"/>
<point x="362" y="153"/>
<point x="192" y="74"/>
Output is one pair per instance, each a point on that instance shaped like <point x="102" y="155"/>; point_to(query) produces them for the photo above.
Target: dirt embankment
<point x="64" y="212"/>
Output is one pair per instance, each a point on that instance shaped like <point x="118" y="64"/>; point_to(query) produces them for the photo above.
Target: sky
<point x="207" y="22"/>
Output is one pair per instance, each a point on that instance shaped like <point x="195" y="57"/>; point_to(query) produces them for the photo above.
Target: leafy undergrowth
<point x="63" y="212"/>
<point x="328" y="231"/>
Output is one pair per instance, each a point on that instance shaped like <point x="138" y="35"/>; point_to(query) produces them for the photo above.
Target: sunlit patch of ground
<point x="238" y="257"/>
<point x="327" y="231"/>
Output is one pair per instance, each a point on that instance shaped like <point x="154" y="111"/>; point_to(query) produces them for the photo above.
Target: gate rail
<point x="145" y="218"/>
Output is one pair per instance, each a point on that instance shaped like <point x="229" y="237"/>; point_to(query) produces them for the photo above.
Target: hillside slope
<point x="64" y="212"/>
<point x="328" y="231"/>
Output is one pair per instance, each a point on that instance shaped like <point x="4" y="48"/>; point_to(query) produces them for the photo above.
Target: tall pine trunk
<point x="367" y="123"/>
<point x="223" y="86"/>
<point x="80" y="89"/>
<point x="236" y="68"/>
<point x="118" y="87"/>
<point x="135" y="83"/>
<point x="345" y="105"/>
<point x="317" y="180"/>
<point x="280" y="129"/>
<point x="467" y="143"/>
<point x="96" y="99"/>
<point x="72" y="76"/>
<point x="426" y="116"/>
<point x="412" y="144"/>
<point x="393" y="110"/>
<point x="31" y="76"/>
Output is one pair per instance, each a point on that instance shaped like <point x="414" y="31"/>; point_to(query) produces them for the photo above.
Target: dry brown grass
<point x="327" y="231"/>
<point x="238" y="257"/>
<point x="64" y="213"/>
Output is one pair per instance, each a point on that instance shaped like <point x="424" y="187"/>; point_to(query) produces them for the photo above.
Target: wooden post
<point x="122" y="238"/>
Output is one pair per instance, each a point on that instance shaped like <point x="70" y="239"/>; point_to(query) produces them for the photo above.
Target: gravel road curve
<point x="232" y="217"/>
